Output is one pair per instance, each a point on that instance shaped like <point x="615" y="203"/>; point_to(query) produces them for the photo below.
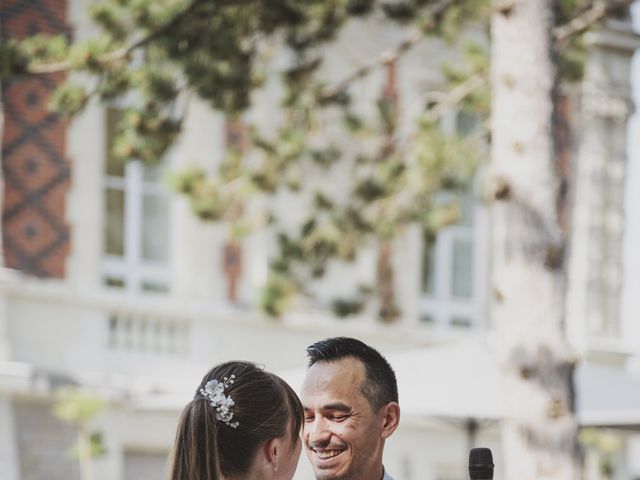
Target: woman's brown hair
<point x="264" y="406"/>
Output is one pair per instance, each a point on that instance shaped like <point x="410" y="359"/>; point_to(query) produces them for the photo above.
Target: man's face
<point x="342" y="434"/>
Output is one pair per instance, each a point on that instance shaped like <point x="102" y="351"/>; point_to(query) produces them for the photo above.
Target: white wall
<point x="630" y="296"/>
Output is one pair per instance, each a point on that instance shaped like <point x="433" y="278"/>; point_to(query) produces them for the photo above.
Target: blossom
<point x="214" y="392"/>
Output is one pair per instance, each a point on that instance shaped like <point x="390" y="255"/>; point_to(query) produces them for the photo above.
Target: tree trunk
<point x="540" y="428"/>
<point x="388" y="310"/>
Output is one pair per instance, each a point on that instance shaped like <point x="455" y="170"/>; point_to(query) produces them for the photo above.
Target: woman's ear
<point x="390" y="417"/>
<point x="272" y="451"/>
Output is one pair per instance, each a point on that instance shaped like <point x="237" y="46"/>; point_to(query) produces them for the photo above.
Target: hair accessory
<point x="214" y="392"/>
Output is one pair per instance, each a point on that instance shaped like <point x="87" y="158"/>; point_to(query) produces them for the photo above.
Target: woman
<point x="243" y="423"/>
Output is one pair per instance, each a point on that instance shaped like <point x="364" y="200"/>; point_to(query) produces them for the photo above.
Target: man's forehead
<point x="332" y="376"/>
<point x="345" y="366"/>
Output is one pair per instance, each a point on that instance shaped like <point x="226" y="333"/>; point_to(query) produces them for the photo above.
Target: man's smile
<point x="327" y="453"/>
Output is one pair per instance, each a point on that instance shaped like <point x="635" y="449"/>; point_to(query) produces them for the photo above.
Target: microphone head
<point x="480" y="464"/>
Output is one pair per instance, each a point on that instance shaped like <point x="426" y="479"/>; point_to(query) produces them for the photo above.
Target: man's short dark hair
<point x="379" y="386"/>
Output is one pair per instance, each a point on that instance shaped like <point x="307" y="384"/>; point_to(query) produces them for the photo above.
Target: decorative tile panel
<point x="35" y="169"/>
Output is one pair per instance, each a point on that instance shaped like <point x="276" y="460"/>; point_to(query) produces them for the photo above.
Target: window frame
<point x="438" y="307"/>
<point x="132" y="268"/>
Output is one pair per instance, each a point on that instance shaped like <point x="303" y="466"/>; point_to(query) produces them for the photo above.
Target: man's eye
<point x="308" y="419"/>
<point x="339" y="418"/>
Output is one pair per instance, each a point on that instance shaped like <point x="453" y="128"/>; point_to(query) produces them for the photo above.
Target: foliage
<point x="277" y="295"/>
<point x="606" y="443"/>
<point x="96" y="449"/>
<point x="80" y="409"/>
<point x="151" y="55"/>
<point x="77" y="407"/>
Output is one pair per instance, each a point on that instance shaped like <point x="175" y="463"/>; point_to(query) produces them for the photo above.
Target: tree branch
<point x="455" y="96"/>
<point x="120" y="53"/>
<point x="391" y="55"/>
<point x="592" y="14"/>
<point x="596" y="11"/>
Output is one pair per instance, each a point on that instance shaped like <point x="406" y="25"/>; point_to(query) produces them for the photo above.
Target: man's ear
<point x="390" y="417"/>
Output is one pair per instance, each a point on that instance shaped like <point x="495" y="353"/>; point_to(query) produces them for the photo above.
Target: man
<point x="350" y="400"/>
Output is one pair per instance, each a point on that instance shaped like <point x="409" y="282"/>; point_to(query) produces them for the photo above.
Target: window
<point x="136" y="223"/>
<point x="455" y="266"/>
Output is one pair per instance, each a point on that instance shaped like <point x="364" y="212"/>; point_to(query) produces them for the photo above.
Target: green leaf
<point x="277" y="295"/>
<point x="69" y="99"/>
<point x="77" y="406"/>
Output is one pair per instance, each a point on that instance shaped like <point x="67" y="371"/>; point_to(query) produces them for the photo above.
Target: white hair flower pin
<point x="214" y="392"/>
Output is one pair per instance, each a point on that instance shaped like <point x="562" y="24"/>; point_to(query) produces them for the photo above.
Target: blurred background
<point x="122" y="283"/>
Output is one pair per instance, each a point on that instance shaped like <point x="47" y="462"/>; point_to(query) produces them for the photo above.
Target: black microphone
<point x="480" y="464"/>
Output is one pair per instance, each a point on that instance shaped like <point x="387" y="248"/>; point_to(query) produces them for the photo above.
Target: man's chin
<point x="326" y="474"/>
<point x="324" y="470"/>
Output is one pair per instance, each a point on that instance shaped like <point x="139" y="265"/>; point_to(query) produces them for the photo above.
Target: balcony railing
<point x="139" y="332"/>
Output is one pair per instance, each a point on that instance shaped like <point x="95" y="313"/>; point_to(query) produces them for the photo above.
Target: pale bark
<point x="539" y="431"/>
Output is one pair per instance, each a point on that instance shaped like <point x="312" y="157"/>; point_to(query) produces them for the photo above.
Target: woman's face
<point x="290" y="456"/>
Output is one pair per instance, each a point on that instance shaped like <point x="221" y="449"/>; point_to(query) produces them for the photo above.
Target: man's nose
<point x="317" y="431"/>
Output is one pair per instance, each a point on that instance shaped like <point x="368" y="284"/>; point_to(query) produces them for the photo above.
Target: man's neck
<point x="381" y="477"/>
<point x="377" y="473"/>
